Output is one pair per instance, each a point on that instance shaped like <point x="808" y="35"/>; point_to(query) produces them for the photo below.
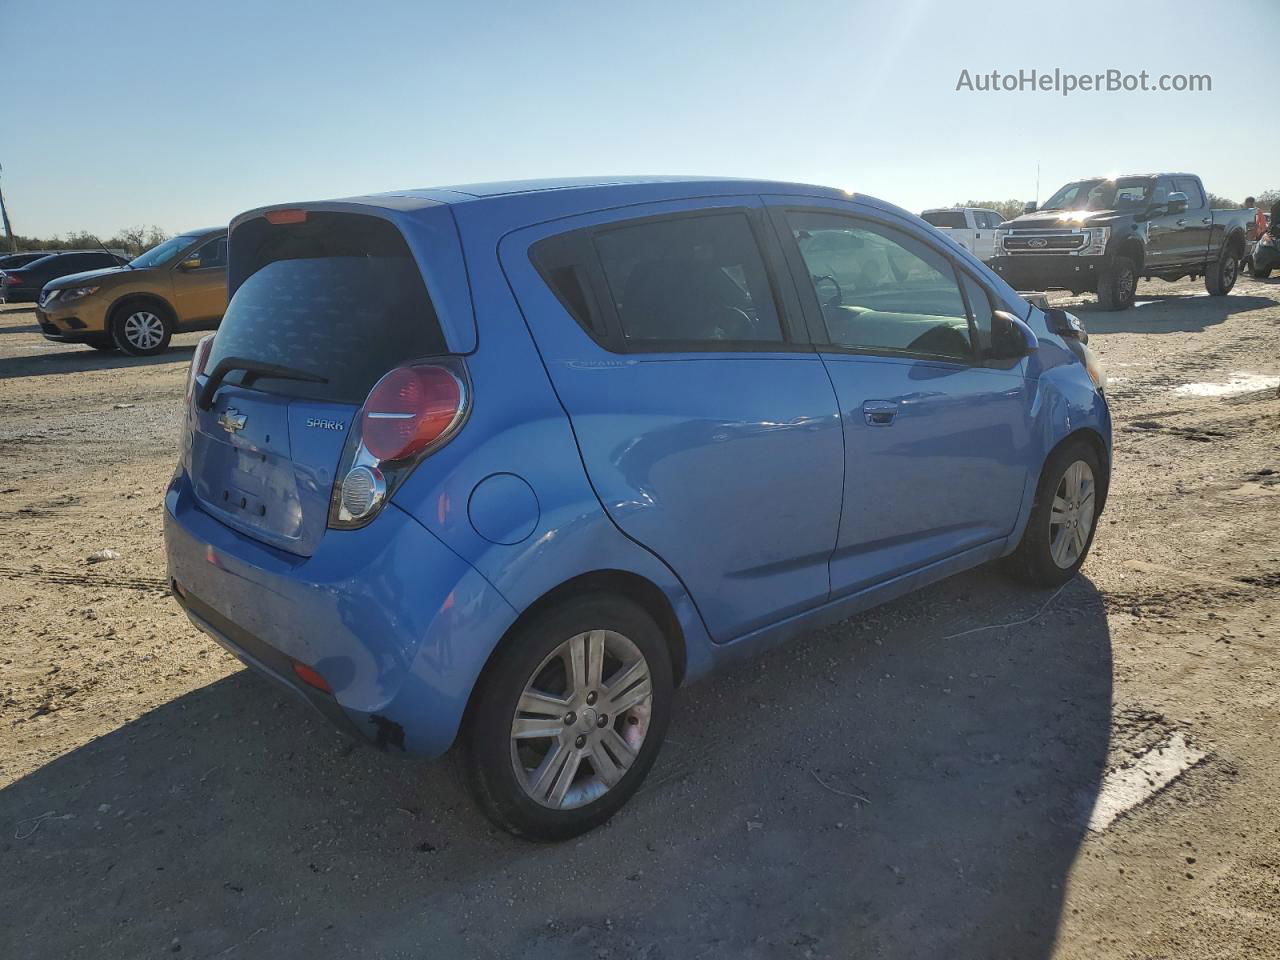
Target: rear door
<point x="336" y="296"/>
<point x="936" y="437"/>
<point x="707" y="424"/>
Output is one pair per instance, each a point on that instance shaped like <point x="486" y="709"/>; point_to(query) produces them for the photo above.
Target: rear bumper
<point x="1041" y="271"/>
<point x="397" y="624"/>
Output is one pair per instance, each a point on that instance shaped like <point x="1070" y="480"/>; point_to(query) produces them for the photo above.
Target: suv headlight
<point x="1095" y="241"/>
<point x="77" y="292"/>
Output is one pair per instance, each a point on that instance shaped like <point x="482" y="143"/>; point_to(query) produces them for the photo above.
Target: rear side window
<point x="946" y="218"/>
<point x="689" y="279"/>
<point x="338" y="295"/>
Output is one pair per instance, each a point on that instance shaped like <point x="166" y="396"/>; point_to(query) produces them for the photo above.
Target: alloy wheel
<point x="1071" y="516"/>
<point x="144" y="330"/>
<point x="581" y="720"/>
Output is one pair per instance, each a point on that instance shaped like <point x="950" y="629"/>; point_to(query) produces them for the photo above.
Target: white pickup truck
<point x="974" y="228"/>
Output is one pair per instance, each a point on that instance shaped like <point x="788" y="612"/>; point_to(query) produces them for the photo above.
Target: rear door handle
<point x="1206" y="219"/>
<point x="879" y="413"/>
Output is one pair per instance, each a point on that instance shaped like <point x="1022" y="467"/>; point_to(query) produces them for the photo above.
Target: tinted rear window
<point x="339" y="296"/>
<point x="945" y="218"/>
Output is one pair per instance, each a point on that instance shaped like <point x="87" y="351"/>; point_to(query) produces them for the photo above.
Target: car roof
<point x="708" y="186"/>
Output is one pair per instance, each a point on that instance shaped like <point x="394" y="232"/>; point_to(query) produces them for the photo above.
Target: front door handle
<point x="879" y="413"/>
<point x="1181" y="223"/>
<point x="1206" y="219"/>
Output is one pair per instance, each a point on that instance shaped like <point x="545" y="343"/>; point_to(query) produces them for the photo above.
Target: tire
<point x="554" y="785"/>
<point x="1039" y="558"/>
<point x="1221" y="277"/>
<point x="1118" y="284"/>
<point x="141" y="328"/>
<point x="1257" y="272"/>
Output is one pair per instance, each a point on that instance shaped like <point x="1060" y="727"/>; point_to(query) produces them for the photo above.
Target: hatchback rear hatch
<point x="323" y="304"/>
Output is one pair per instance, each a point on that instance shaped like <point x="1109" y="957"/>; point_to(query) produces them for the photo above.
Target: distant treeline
<point x="133" y="240"/>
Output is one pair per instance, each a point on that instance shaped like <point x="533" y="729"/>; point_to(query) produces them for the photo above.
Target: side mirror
<point x="192" y="263"/>
<point x="1066" y="324"/>
<point x="1011" y="339"/>
<point x="1177" y="203"/>
<point x="1030" y="207"/>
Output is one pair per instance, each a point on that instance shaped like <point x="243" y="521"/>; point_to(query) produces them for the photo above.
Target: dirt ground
<point x="900" y="785"/>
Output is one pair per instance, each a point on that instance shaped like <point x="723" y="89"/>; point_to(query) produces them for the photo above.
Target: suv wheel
<point x="141" y="329"/>
<point x="1221" y="277"/>
<point x="1063" y="518"/>
<point x="1117" y="285"/>
<point x="569" y="717"/>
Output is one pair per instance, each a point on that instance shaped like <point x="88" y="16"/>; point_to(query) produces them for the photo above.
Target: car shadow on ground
<point x="77" y="359"/>
<point x="890" y="786"/>
<point x="1168" y="313"/>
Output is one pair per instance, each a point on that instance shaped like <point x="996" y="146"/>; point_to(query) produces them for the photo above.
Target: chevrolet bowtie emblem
<point x="231" y="420"/>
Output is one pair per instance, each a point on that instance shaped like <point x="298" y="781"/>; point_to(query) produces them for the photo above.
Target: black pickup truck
<point x="1102" y="234"/>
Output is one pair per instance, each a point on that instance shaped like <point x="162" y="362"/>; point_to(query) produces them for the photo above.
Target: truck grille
<point x="1042" y="242"/>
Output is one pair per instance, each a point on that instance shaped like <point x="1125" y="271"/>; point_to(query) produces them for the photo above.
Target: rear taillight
<point x="411" y="412"/>
<point x="408" y="410"/>
<point x="12" y="278"/>
<point x="198" y="361"/>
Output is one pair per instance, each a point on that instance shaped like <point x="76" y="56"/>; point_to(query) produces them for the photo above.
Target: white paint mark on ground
<point x="1124" y="789"/>
<point x="1239" y="382"/>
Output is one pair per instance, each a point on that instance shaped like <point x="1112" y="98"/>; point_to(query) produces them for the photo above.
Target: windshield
<point x="158" y="256"/>
<point x="1102" y="194"/>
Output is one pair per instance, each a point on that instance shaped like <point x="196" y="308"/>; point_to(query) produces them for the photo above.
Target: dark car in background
<point x="12" y="261"/>
<point x="24" y="283"/>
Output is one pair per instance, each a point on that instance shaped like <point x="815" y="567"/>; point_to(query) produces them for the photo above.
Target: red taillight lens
<point x="311" y="678"/>
<point x="408" y="409"/>
<point x="286" y="216"/>
<point x="198" y="361"/>
<point x="13" y="278"/>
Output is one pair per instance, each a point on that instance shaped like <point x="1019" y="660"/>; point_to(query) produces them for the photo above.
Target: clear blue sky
<point x="179" y="114"/>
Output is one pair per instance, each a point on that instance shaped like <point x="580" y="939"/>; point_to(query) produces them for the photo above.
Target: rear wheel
<point x="141" y="329"/>
<point x="1257" y="272"/>
<point x="569" y="717"/>
<point x="1221" y="277"/>
<point x="1063" y="518"/>
<point x="1117" y="285"/>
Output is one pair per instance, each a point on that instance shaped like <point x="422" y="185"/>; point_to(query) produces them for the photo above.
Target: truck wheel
<point x="1221" y="277"/>
<point x="1117" y="285"/>
<point x="569" y="717"/>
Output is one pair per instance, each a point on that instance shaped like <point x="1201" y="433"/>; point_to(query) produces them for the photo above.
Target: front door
<point x="200" y="283"/>
<point x="707" y="424"/>
<point x="936" y="437"/>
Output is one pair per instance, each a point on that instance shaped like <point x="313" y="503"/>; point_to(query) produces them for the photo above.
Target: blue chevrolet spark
<point x="504" y="464"/>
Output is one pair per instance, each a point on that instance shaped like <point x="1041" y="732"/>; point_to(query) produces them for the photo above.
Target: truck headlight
<point x="1095" y="241"/>
<point x="1001" y="233"/>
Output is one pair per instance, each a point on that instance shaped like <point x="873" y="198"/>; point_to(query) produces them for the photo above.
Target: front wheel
<point x="1063" y="518"/>
<point x="1222" y="275"/>
<point x="141" y="330"/>
<point x="1118" y="284"/>
<point x="569" y="717"/>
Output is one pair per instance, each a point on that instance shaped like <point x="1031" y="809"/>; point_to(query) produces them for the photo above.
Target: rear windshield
<point x="338" y="296"/>
<point x="945" y="218"/>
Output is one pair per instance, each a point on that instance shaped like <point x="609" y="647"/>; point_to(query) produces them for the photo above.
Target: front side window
<point x="880" y="290"/>
<point x="690" y="279"/>
<point x="1195" y="197"/>
<point x="211" y="254"/>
